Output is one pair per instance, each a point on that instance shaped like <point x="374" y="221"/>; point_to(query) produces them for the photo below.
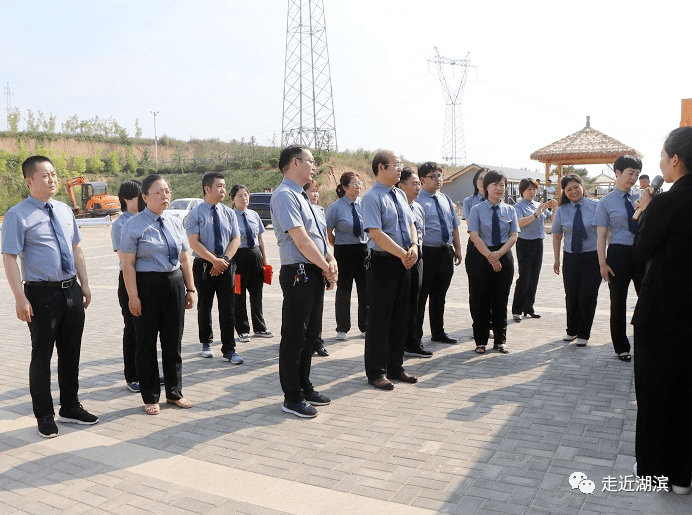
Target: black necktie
<point x="357" y="225"/>
<point x="443" y="224"/>
<point x="497" y="239"/>
<point x="218" y="248"/>
<point x="248" y="232"/>
<point x="578" y="231"/>
<point x="633" y="225"/>
<point x="405" y="236"/>
<point x="170" y="242"/>
<point x="65" y="258"/>
<point x="314" y="217"/>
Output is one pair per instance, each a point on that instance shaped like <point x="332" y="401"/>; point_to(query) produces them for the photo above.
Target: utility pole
<point x="9" y="104"/>
<point x="453" y="146"/>
<point x="308" y="117"/>
<point x="156" y="144"/>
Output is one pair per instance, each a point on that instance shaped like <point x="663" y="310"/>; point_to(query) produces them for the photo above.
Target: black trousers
<point x="163" y="316"/>
<point x="581" y="277"/>
<point x="249" y="267"/>
<point x="437" y="276"/>
<point x="413" y="340"/>
<point x="490" y="291"/>
<point x="221" y="286"/>
<point x="626" y="269"/>
<point x="58" y="318"/>
<point x="663" y="383"/>
<point x="129" y="337"/>
<point x="301" y="322"/>
<point x="389" y="289"/>
<point x="351" y="261"/>
<point x="529" y="259"/>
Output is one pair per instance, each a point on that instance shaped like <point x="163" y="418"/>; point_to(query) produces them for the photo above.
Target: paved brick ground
<point x="477" y="435"/>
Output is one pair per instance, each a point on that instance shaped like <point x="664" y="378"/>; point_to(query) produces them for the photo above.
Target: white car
<point x="182" y="206"/>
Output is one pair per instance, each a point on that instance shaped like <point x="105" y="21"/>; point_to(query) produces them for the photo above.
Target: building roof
<point x="587" y="146"/>
<point x="604" y="179"/>
<point x="513" y="174"/>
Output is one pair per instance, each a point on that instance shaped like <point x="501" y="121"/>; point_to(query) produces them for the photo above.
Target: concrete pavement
<point x="479" y="434"/>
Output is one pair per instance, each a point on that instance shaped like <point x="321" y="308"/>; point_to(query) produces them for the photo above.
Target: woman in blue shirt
<point x="532" y="217"/>
<point x="158" y="276"/>
<point x="581" y="273"/>
<point x="250" y="260"/>
<point x="478" y="193"/>
<point x="493" y="229"/>
<point x="346" y="235"/>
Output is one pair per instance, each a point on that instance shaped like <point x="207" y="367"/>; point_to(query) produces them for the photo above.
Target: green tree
<point x="138" y="129"/>
<point x="113" y="166"/>
<point x="30" y="121"/>
<point x="79" y="165"/>
<point x="59" y="159"/>
<point x="147" y="163"/>
<point x="21" y="157"/>
<point x="95" y="164"/>
<point x="130" y="161"/>
<point x="13" y="117"/>
<point x="71" y="126"/>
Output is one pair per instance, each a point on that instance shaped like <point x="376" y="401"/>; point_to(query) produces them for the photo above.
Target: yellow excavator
<point x="96" y="201"/>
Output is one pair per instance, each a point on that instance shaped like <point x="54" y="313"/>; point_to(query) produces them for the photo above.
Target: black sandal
<point x="625" y="357"/>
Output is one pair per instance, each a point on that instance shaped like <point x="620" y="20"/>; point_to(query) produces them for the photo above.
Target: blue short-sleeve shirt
<point x="380" y="212"/>
<point x="340" y="218"/>
<point x="28" y="233"/>
<point x="255" y="223"/>
<point x="469" y="202"/>
<point x="564" y="219"/>
<point x="142" y="236"/>
<point x="117" y="229"/>
<point x="481" y="221"/>
<point x="534" y="230"/>
<point x="611" y="213"/>
<point x="201" y="221"/>
<point x="419" y="220"/>
<point x="433" y="229"/>
<point x="290" y="209"/>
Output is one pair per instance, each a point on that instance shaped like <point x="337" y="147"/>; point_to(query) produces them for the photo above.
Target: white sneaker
<point x="244" y="337"/>
<point x="681" y="490"/>
<point x="581" y="342"/>
<point x="568" y="337"/>
<point x="206" y="351"/>
<point x="340" y="335"/>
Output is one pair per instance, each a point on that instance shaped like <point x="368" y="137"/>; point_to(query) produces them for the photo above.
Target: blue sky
<point x="215" y="68"/>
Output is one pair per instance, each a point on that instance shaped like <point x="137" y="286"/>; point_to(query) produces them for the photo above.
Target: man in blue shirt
<point x="393" y="250"/>
<point x="306" y="264"/>
<point x="441" y="251"/>
<point x="212" y="230"/>
<point x="44" y="234"/>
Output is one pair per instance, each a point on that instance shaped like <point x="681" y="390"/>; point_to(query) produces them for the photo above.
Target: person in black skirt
<point x="250" y="260"/>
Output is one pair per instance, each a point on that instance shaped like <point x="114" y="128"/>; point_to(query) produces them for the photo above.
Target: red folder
<point x="267" y="271"/>
<point x="236" y="288"/>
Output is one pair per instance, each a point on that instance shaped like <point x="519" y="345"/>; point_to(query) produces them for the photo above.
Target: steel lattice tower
<point x="453" y="146"/>
<point x="308" y="117"/>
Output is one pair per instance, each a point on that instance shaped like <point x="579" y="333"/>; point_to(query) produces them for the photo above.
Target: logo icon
<point x="580" y="481"/>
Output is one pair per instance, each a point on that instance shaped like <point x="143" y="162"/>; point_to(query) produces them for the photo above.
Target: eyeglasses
<point x="398" y="166"/>
<point x="434" y="177"/>
<point x="162" y="193"/>
<point x="311" y="161"/>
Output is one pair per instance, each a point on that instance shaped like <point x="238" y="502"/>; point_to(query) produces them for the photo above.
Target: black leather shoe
<point x="321" y="351"/>
<point x="532" y="315"/>
<point x="381" y="383"/>
<point x="404" y="377"/>
<point x="443" y="338"/>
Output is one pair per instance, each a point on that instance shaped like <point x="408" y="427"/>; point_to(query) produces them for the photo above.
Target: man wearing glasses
<point x="306" y="266"/>
<point x="392" y="251"/>
<point x="441" y="252"/>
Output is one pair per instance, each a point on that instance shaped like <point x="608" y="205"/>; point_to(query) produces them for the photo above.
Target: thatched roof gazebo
<point x="587" y="146"/>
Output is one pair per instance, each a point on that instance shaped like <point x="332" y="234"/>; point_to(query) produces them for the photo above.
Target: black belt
<point x="52" y="284"/>
<point x="382" y="253"/>
<point x="439" y="248"/>
<point x="307" y="266"/>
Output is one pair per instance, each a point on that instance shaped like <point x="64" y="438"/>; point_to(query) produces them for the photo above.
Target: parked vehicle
<point x="95" y="201"/>
<point x="182" y="206"/>
<point x="260" y="202"/>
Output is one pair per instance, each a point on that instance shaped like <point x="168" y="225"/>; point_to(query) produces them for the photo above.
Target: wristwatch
<point x="226" y="258"/>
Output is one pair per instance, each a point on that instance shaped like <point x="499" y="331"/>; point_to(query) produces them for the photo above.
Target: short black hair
<point x="644" y="177"/>
<point x="381" y="158"/>
<point x="30" y="163"/>
<point x="406" y="174"/>
<point x="475" y="180"/>
<point x="679" y="142"/>
<point x="209" y="178"/>
<point x="149" y="180"/>
<point x="491" y="178"/>
<point x="563" y="184"/>
<point x="289" y="153"/>
<point x="526" y="183"/>
<point x="427" y="168"/>
<point x="622" y="163"/>
<point x="236" y="188"/>
<point x="128" y="190"/>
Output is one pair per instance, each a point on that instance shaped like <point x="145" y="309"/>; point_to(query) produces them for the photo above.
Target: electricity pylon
<point x="453" y="146"/>
<point x="308" y="117"/>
